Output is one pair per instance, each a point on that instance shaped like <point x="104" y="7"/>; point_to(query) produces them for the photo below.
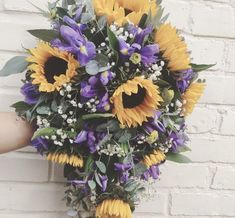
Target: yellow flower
<point x="135" y="101"/>
<point x="113" y="209"/>
<point x="173" y="47"/>
<point x="123" y="11"/>
<point x="135" y="9"/>
<point x="63" y="158"/>
<point x="156" y="157"/>
<point x="191" y="97"/>
<point x="110" y="9"/>
<point x="51" y="68"/>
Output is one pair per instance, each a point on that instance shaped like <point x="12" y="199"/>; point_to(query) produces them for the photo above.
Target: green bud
<point x="167" y="96"/>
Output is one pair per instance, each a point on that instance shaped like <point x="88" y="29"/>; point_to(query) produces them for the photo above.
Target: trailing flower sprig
<point x="107" y="90"/>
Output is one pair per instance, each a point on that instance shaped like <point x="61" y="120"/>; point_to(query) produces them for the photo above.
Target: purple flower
<point x="40" y="144"/>
<point x="178" y="140"/>
<point x="122" y="166"/>
<point x="184" y="81"/>
<point x="122" y="169"/>
<point x="148" y="54"/>
<point x="152" y="172"/>
<point x="95" y="88"/>
<point x="75" y="42"/>
<point x="104" y="182"/>
<point x="90" y="139"/>
<point x="31" y="93"/>
<point x="81" y="137"/>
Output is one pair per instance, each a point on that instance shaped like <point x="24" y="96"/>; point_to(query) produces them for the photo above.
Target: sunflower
<point x="135" y="101"/>
<point x="110" y="9"/>
<point x="173" y="47"/>
<point x="123" y="11"/>
<point x="51" y="68"/>
<point x="191" y="97"/>
<point x="113" y="209"/>
<point x="157" y="157"/>
<point x="63" y="158"/>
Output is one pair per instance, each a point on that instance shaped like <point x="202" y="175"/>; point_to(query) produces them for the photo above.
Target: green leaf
<point x="62" y="12"/>
<point x="178" y="158"/>
<point x="113" y="40"/>
<point x="184" y="149"/>
<point x="96" y="116"/>
<point x="17" y="64"/>
<point x="139" y="169"/>
<point x="101" y="166"/>
<point x="43" y="110"/>
<point x="44" y="132"/>
<point x="97" y="179"/>
<point x="92" y="184"/>
<point x="143" y="21"/>
<point x="44" y="34"/>
<point x="201" y="67"/>
<point x="21" y="106"/>
<point x="89" y="164"/>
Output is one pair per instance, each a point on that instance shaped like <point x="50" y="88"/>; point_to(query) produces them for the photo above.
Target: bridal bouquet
<point x="107" y="90"/>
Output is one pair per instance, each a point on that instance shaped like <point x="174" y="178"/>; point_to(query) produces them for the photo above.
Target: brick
<point x="212" y="20"/>
<point x="228" y="127"/>
<point x="212" y="150"/>
<point x="203" y="120"/>
<point x="207" y="51"/>
<point x="34" y="215"/>
<point x="176" y="176"/>
<point x="32" y="197"/>
<point x="158" y="205"/>
<point x="224" y="178"/>
<point x="27" y="168"/>
<point x="24" y="5"/>
<point x="16" y="37"/>
<point x="203" y="203"/>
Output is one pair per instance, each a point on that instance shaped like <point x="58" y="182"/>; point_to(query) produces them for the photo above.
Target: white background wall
<point x="32" y="188"/>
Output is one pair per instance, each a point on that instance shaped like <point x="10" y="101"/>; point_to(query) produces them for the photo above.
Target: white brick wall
<point x="32" y="188"/>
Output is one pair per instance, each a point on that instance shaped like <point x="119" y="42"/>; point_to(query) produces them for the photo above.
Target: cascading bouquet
<point x="107" y="90"/>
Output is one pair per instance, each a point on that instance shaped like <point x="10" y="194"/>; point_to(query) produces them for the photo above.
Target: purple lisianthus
<point x="95" y="88"/>
<point x="40" y="144"/>
<point x="104" y="182"/>
<point x="152" y="172"/>
<point x="184" y="81"/>
<point x="147" y="54"/>
<point x="90" y="139"/>
<point x="122" y="169"/>
<point x="30" y="93"/>
<point x="178" y="140"/>
<point x="75" y="42"/>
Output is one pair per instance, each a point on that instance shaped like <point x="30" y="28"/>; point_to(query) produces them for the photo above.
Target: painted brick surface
<point x="32" y="188"/>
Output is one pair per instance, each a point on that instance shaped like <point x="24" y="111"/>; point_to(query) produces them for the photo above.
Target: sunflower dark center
<point x="134" y="100"/>
<point x="54" y="67"/>
<point x="127" y="11"/>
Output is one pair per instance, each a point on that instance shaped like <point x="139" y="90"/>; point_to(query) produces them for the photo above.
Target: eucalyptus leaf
<point x="44" y="132"/>
<point x="140" y="169"/>
<point x="17" y="64"/>
<point x="92" y="67"/>
<point x="113" y="40"/>
<point x="72" y="213"/>
<point x="101" y="166"/>
<point x="92" y="184"/>
<point x="184" y="149"/>
<point x="201" y="67"/>
<point x="43" y="110"/>
<point x="102" y="22"/>
<point x="97" y="179"/>
<point x="178" y="158"/>
<point x="44" y="34"/>
<point x="96" y="116"/>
